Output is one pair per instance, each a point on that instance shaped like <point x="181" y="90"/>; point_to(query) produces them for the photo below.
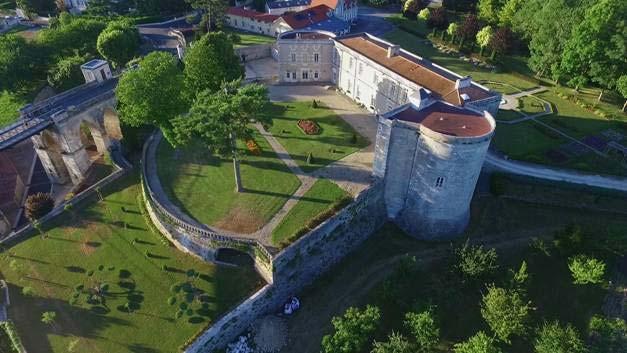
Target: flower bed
<point x="309" y="127"/>
<point x="253" y="147"/>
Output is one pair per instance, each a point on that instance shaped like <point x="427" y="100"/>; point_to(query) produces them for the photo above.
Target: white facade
<point x="281" y="10"/>
<point x="76" y="5"/>
<point x="305" y="59"/>
<point x="250" y="24"/>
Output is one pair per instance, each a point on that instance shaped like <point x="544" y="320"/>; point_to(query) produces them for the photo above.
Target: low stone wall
<point x="299" y="265"/>
<point x="254" y="52"/>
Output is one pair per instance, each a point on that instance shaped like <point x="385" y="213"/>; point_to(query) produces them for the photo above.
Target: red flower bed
<point x="309" y="127"/>
<point x="253" y="147"/>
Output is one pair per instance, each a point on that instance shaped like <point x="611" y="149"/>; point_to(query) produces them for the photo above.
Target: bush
<point x="38" y="205"/>
<point x="607" y="335"/>
<point x="171" y="300"/>
<point x="506" y="312"/>
<point x="479" y="343"/>
<point x="424" y="14"/>
<point x="554" y="338"/>
<point x="585" y="269"/>
<point x="352" y="330"/>
<point x="474" y="262"/>
<point x="314" y="104"/>
<point x="27" y="292"/>
<point x="424" y="328"/>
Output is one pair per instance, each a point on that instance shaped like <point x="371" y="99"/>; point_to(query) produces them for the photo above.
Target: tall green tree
<point x="396" y="343"/>
<point x="152" y="93"/>
<point x="119" y="42"/>
<point x="218" y="119"/>
<point x="479" y="343"/>
<point x="210" y="62"/>
<point x="506" y="311"/>
<point x="66" y="73"/>
<point x="15" y="69"/>
<point x="621" y="87"/>
<point x="71" y="34"/>
<point x="555" y="338"/>
<point x="484" y="37"/>
<point x="597" y="49"/>
<point x="352" y="331"/>
<point x="424" y="329"/>
<point x="474" y="262"/>
<point x="501" y="41"/>
<point x="213" y="12"/>
<point x="508" y="11"/>
<point x="488" y="10"/>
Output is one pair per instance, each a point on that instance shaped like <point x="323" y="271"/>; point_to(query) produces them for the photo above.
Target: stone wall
<point x="299" y="265"/>
<point x="254" y="52"/>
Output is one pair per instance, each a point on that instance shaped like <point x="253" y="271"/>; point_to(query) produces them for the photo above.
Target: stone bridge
<point x="63" y="127"/>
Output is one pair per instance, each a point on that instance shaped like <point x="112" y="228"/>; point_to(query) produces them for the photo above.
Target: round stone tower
<point x="429" y="154"/>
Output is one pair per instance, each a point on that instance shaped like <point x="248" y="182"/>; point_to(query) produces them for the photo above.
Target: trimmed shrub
<point x="38" y="205"/>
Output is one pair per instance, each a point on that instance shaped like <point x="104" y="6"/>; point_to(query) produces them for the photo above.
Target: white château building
<point x="434" y="126"/>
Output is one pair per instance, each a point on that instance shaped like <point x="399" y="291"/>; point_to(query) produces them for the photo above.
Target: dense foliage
<point x="586" y="269"/>
<point x="555" y="338"/>
<point x="506" y="311"/>
<point x="119" y="42"/>
<point x="352" y="331"/>
<point x="66" y="73"/>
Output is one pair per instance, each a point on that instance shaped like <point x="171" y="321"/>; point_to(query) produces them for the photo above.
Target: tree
<point x="219" y="119"/>
<point x="508" y="11"/>
<point x="473" y="262"/>
<point x="424" y="14"/>
<point x="119" y="42"/>
<point x="500" y="42"/>
<point x="212" y="12"/>
<point x="585" y="269"/>
<point x="411" y="8"/>
<point x="488" y="10"/>
<point x="596" y="50"/>
<point x="554" y="338"/>
<point x="468" y="29"/>
<point x="71" y="34"/>
<point x="14" y="69"/>
<point x="607" y="335"/>
<point x="506" y="312"/>
<point x="38" y="205"/>
<point x="210" y="62"/>
<point x="484" y="37"/>
<point x="66" y="73"/>
<point x="396" y="344"/>
<point x="452" y="31"/>
<point x="479" y="343"/>
<point x="352" y="330"/>
<point x="621" y="86"/>
<point x="438" y="19"/>
<point x="151" y="94"/>
<point x="520" y="277"/>
<point x="424" y="328"/>
<point x="48" y="317"/>
<point x="36" y="7"/>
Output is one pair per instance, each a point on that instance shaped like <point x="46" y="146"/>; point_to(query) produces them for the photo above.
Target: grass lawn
<point x="508" y="115"/>
<point x="203" y="185"/>
<point x="373" y="275"/>
<point x="527" y="141"/>
<point x="422" y="47"/>
<point x="502" y="88"/>
<point x="9" y="105"/>
<point x="322" y="197"/>
<point x="248" y="38"/>
<point x="530" y="105"/>
<point x="336" y="139"/>
<point x="98" y="244"/>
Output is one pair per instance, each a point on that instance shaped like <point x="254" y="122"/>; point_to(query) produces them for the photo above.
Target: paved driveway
<point x="372" y="20"/>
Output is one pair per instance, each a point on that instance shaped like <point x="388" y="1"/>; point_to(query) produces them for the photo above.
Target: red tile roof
<point x="419" y="71"/>
<point x="332" y="4"/>
<point x="252" y="14"/>
<point x="447" y="119"/>
<point x="304" y="18"/>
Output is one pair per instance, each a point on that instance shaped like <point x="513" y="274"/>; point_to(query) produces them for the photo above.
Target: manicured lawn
<point x="336" y="139"/>
<point x="508" y="115"/>
<point x="322" y="196"/>
<point x="373" y="274"/>
<point x="9" y="105"/>
<point x="526" y="141"/>
<point x="502" y="88"/>
<point x="248" y="39"/>
<point x="98" y="244"/>
<point x="530" y="105"/>
<point x="422" y="47"/>
<point x="203" y="185"/>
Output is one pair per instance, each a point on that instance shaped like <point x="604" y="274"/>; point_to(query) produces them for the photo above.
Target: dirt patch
<point x="241" y="220"/>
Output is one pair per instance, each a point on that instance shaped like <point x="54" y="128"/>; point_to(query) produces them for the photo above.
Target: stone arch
<point x="111" y="122"/>
<point x="234" y="257"/>
<point x="50" y="153"/>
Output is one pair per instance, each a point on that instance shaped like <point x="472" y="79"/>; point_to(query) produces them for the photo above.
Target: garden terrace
<point x="110" y="244"/>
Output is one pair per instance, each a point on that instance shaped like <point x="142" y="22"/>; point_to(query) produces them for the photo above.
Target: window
<point x="316" y="75"/>
<point x="316" y="57"/>
<point x="438" y="182"/>
<point x="392" y="90"/>
<point x="361" y="68"/>
<point x="287" y="74"/>
<point x="293" y="75"/>
<point x="350" y="63"/>
<point x="305" y="75"/>
<point x="293" y="57"/>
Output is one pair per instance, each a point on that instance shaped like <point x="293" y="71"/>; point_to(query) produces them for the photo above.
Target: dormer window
<point x="439" y="182"/>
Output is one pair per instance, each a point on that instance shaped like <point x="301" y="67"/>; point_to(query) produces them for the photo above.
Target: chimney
<point x="420" y="99"/>
<point x="463" y="82"/>
<point x="393" y="50"/>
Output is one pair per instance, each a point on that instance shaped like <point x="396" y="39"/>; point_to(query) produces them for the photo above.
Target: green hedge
<point x="10" y="330"/>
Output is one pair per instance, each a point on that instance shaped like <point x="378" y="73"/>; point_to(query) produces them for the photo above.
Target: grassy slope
<point x="248" y="39"/>
<point x="9" y="106"/>
<point x="524" y="142"/>
<point x="316" y="200"/>
<point x="83" y="242"/>
<point x="551" y="289"/>
<point x="333" y="143"/>
<point x="204" y="186"/>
